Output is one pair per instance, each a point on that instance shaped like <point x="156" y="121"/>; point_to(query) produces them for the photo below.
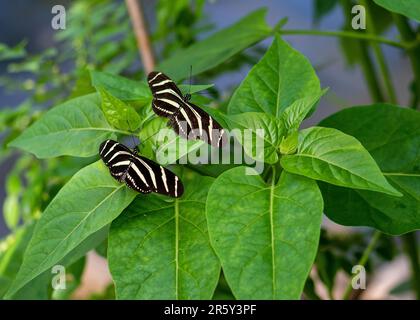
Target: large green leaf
<point x="130" y="90"/>
<point x="76" y="128"/>
<point x="74" y="274"/>
<point x="12" y="250"/>
<point x="403" y="213"/>
<point x="409" y="8"/>
<point x="159" y="247"/>
<point x="11" y="259"/>
<point x="329" y="155"/>
<point x="217" y="48"/>
<point x="248" y="123"/>
<point x="119" y="114"/>
<point x="282" y="76"/>
<point x="392" y="135"/>
<point x="11" y="253"/>
<point x="266" y="236"/>
<point x="392" y="215"/>
<point x="88" y="202"/>
<point x="121" y="87"/>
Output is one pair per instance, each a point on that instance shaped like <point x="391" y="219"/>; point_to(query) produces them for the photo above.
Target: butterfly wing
<point x="139" y="173"/>
<point x="118" y="158"/>
<point x="167" y="98"/>
<point x="185" y="118"/>
<point x="157" y="178"/>
<point x="194" y="123"/>
<point x="113" y="152"/>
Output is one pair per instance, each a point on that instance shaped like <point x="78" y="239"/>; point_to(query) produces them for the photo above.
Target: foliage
<point x="235" y="233"/>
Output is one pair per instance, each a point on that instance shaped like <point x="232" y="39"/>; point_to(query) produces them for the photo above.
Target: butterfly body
<point x="137" y="172"/>
<point x="187" y="119"/>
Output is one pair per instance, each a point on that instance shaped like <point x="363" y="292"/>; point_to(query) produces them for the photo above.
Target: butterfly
<point x="137" y="172"/>
<point x="187" y="119"/>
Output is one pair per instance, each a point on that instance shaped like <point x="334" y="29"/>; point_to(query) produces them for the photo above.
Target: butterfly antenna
<point x="188" y="95"/>
<point x="189" y="89"/>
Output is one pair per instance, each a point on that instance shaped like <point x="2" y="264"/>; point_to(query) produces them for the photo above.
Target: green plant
<point x="360" y="167"/>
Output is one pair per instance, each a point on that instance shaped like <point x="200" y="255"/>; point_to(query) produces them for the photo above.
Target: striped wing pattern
<point x="137" y="172"/>
<point x="188" y="120"/>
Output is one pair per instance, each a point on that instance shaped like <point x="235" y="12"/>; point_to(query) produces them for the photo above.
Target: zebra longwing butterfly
<point x="187" y="119"/>
<point x="137" y="172"/>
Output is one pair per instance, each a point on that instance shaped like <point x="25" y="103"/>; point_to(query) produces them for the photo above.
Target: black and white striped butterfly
<point x="137" y="172"/>
<point x="188" y="120"/>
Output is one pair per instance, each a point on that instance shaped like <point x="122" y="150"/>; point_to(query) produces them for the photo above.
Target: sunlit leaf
<point x="159" y="248"/>
<point x="266" y="236"/>
<point x="282" y="76"/>
<point x="329" y="155"/>
<point x="88" y="202"/>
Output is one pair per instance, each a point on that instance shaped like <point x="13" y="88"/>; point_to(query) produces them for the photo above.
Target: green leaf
<point x="186" y="88"/>
<point x="88" y="202"/>
<point x="160" y="143"/>
<point x="293" y="116"/>
<point x="16" y="52"/>
<point x="389" y="214"/>
<point x="12" y="249"/>
<point x="121" y="87"/>
<point x="403" y="213"/>
<point x="392" y="135"/>
<point x="119" y="114"/>
<point x="11" y="211"/>
<point x="329" y="155"/>
<point x="409" y="8"/>
<point x="248" y="123"/>
<point x="82" y="85"/>
<point x="289" y="144"/>
<point x="11" y="253"/>
<point x="282" y="76"/>
<point x="73" y="279"/>
<point x="159" y="248"/>
<point x="266" y="236"/>
<point x="130" y="90"/>
<point x="75" y="128"/>
<point x="219" y="47"/>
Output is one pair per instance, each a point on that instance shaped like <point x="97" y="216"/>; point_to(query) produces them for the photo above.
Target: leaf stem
<point x="413" y="52"/>
<point x="362" y="262"/>
<point x="347" y="34"/>
<point x="410" y="246"/>
<point x="379" y="55"/>
<point x="366" y="62"/>
<point x="370" y="73"/>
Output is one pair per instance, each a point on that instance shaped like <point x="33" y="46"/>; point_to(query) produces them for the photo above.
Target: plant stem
<point x="142" y="36"/>
<point x="407" y="34"/>
<point x="347" y="34"/>
<point x="376" y="236"/>
<point x="370" y="73"/>
<point x="367" y="65"/>
<point x="379" y="55"/>
<point x="410" y="245"/>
